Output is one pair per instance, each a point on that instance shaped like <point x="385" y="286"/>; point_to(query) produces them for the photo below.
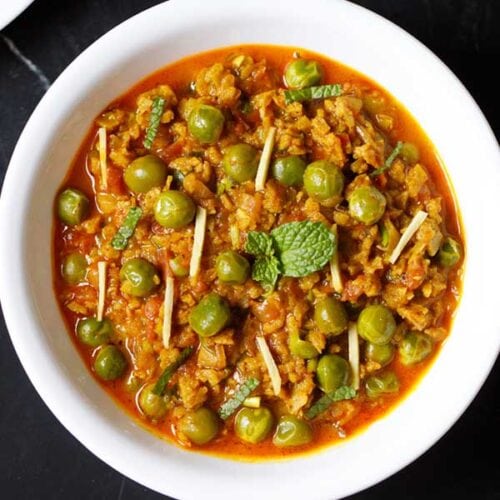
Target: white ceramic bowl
<point x="109" y="67"/>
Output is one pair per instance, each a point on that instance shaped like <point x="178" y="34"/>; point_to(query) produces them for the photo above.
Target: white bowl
<point x="45" y="149"/>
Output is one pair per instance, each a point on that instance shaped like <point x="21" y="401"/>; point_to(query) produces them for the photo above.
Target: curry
<point x="257" y="251"/>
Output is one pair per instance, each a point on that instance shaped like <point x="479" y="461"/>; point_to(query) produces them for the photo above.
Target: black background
<point x="39" y="459"/>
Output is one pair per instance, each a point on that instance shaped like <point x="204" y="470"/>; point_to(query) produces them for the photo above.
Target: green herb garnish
<point x="126" y="230"/>
<point x="266" y="270"/>
<point x="259" y="243"/>
<point x="266" y="267"/>
<point x="161" y="383"/>
<point x="389" y="161"/>
<point x="303" y="247"/>
<point x="231" y="405"/>
<point x="154" y="121"/>
<point x="295" y="249"/>
<point x="322" y="404"/>
<point x="313" y="93"/>
<point x="384" y="235"/>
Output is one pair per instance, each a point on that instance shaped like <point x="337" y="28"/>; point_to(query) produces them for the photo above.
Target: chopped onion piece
<point x="103" y="157"/>
<point x="168" y="307"/>
<point x="353" y="342"/>
<point x="337" y="284"/>
<point x="274" y="374"/>
<point x="200" y="225"/>
<point x="412" y="228"/>
<point x="101" y="272"/>
<point x="252" y="402"/>
<point x="265" y="160"/>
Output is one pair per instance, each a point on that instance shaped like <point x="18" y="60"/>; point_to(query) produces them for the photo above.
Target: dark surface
<point x="39" y="459"/>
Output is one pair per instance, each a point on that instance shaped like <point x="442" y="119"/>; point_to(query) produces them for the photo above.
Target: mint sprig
<point x="295" y="249"/>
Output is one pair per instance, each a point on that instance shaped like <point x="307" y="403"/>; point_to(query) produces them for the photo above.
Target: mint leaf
<point x="126" y="230"/>
<point x="303" y="247"/>
<point x="259" y="243"/>
<point x="154" y="121"/>
<point x="323" y="403"/>
<point x="161" y="384"/>
<point x="390" y="159"/>
<point x="313" y="93"/>
<point x="266" y="270"/>
<point x="266" y="267"/>
<point x="231" y="405"/>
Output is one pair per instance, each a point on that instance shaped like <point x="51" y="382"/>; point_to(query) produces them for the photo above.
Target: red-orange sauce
<point x="179" y="75"/>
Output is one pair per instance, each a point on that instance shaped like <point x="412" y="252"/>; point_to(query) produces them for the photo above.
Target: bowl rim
<point x="16" y="300"/>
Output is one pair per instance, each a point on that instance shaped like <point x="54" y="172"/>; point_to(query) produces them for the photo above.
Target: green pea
<point x="367" y="205"/>
<point x="139" y="277"/>
<point x="303" y="73"/>
<point x="450" y="252"/>
<point x="174" y="209"/>
<point x="301" y="348"/>
<point x="210" y="315"/>
<point x="178" y="267"/>
<point x="240" y="162"/>
<point x="376" y="324"/>
<point x="74" y="268"/>
<point x="415" y="347"/>
<point x="152" y="405"/>
<point x="330" y="316"/>
<point x="381" y="383"/>
<point x="145" y="173"/>
<point x="374" y="103"/>
<point x="324" y="182"/>
<point x="72" y="206"/>
<point x="381" y="354"/>
<point x="94" y="333"/>
<point x="289" y="170"/>
<point x="232" y="267"/>
<point x="205" y="123"/>
<point x="110" y="363"/>
<point x="292" y="431"/>
<point x="333" y="371"/>
<point x="200" y="426"/>
<point x="410" y="153"/>
<point x="253" y="425"/>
